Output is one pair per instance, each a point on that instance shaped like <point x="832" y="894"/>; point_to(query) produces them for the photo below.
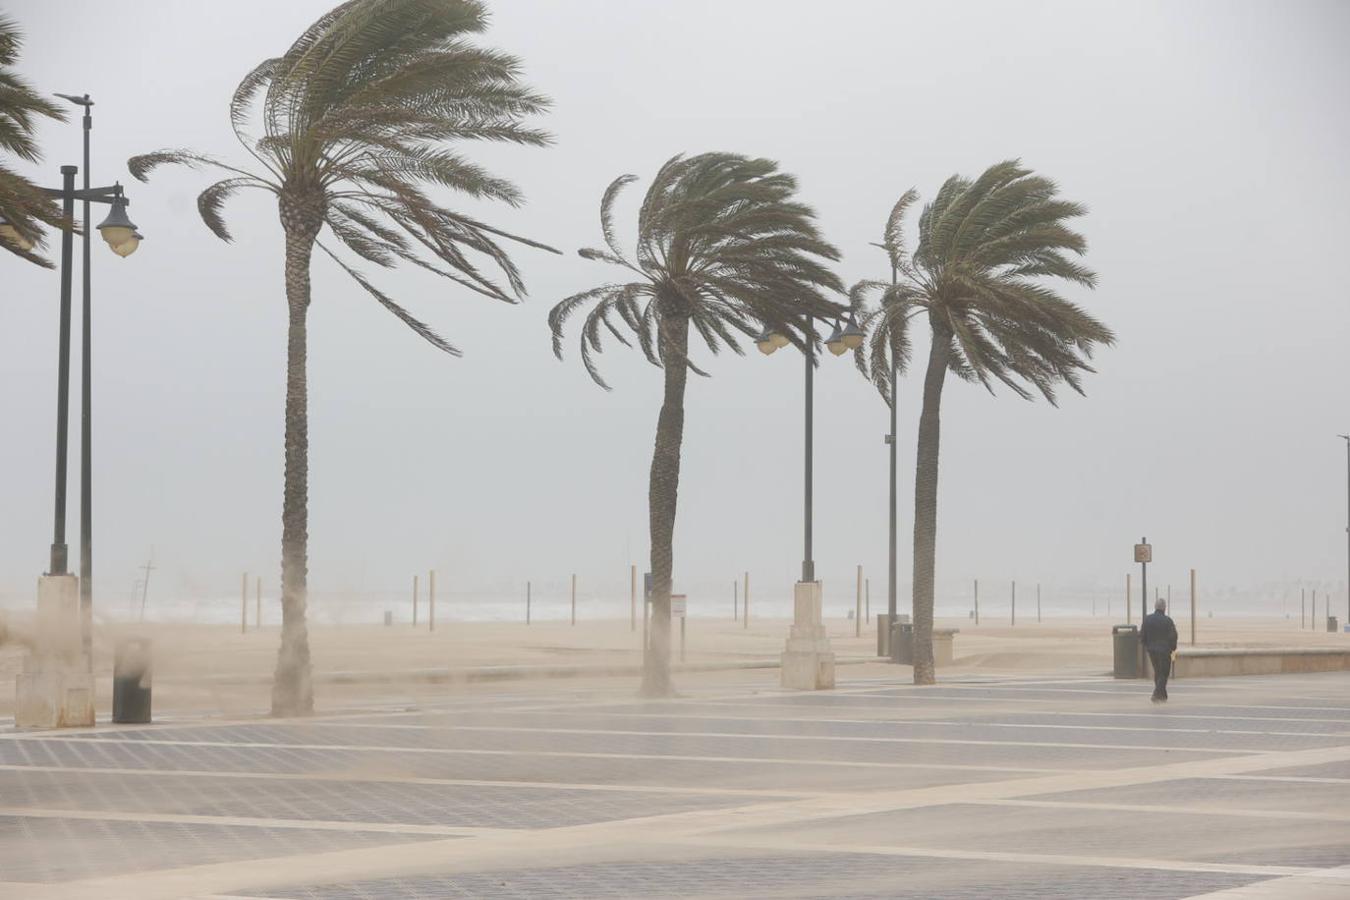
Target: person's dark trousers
<point x="1162" y="667"/>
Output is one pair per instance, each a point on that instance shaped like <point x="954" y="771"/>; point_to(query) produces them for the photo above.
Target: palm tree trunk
<point x="662" y="493"/>
<point x="292" y="688"/>
<point x="925" y="506"/>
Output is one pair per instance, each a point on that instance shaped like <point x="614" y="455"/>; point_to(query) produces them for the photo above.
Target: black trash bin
<point x="902" y="643"/>
<point x="1125" y="651"/>
<point x="1332" y="624"/>
<point x="131" y="682"/>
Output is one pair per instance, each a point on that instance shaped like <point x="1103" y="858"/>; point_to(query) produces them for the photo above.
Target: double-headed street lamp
<point x="118" y="231"/>
<point x="845" y="337"/>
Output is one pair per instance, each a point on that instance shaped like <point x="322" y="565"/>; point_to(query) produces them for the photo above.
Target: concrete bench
<point x="1203" y="662"/>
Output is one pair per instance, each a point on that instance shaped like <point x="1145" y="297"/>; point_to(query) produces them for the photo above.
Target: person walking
<point x="1159" y="637"/>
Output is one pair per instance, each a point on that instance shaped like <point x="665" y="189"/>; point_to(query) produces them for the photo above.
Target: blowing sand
<point x="213" y="669"/>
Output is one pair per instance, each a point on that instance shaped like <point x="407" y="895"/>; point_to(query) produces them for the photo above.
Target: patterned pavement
<point x="1022" y="787"/>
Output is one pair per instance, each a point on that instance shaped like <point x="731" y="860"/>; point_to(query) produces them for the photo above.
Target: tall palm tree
<point x="353" y="117"/>
<point x="24" y="208"/>
<point x="978" y="274"/>
<point x="722" y="247"/>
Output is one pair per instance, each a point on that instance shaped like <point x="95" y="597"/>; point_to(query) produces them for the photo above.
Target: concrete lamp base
<point x="56" y="688"/>
<point x="808" y="661"/>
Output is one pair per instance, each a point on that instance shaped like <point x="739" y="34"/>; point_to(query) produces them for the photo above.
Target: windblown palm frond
<point x="353" y="120"/>
<point x="23" y="205"/>
<point x="722" y="244"/>
<point x="984" y="246"/>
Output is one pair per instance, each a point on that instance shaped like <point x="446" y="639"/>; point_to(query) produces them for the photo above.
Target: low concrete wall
<point x="1201" y="662"/>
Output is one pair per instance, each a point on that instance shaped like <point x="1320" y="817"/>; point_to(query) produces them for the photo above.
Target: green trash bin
<point x="1125" y="651"/>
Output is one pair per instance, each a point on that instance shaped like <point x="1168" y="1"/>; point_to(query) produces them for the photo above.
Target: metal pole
<point x="745" y="612"/>
<point x="1347" y="527"/>
<point x="59" y="551"/>
<point x="1143" y="592"/>
<point x="867" y="600"/>
<point x="86" y="427"/>
<point x="857" y="612"/>
<point x="1192" y="607"/>
<point x="145" y="582"/>
<point x="891" y="439"/>
<point x="977" y="601"/>
<point x="257" y="604"/>
<point x="632" y="598"/>
<point x="431" y="600"/>
<point x="809" y="563"/>
<point x="683" y="619"/>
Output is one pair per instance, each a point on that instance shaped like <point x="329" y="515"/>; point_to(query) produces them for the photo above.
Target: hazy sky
<point x="1208" y="138"/>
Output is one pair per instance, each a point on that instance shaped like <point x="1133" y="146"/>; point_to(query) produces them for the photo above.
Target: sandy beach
<point x="216" y="670"/>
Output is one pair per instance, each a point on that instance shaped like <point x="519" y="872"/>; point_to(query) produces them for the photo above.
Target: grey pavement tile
<point x="477" y="806"/>
<point x="40" y="849"/>
<point x="842" y="875"/>
<point x="1230" y="793"/>
<point x="1081" y="832"/>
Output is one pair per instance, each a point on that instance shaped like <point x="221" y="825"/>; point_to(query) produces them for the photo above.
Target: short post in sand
<point x="431" y="600"/>
<point x="1192" y="607"/>
<point x="857" y="612"/>
<point x="745" y="613"/>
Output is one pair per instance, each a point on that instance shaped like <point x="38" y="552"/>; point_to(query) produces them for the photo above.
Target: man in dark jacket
<point x="1159" y="637"/>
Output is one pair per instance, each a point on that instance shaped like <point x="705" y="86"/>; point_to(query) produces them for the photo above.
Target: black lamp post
<point x="121" y="236"/>
<point x="844" y="338"/>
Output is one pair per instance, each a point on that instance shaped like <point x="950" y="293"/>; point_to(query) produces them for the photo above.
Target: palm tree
<point x="24" y="208"/>
<point x="722" y="247"/>
<point x="353" y="116"/>
<point x="985" y="248"/>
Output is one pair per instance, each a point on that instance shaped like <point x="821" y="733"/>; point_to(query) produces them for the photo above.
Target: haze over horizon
<point x="1208" y="140"/>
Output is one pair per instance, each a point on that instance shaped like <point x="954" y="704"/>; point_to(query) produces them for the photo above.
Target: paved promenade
<point x="1069" y="787"/>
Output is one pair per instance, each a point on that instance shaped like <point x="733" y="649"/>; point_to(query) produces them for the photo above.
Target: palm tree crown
<point x="720" y="243"/>
<point x="24" y="208"/>
<point x="983" y="246"/>
<point x="352" y="118"/>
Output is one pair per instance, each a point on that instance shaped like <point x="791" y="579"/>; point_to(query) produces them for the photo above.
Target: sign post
<point x="1143" y="554"/>
<point x="679" y="603"/>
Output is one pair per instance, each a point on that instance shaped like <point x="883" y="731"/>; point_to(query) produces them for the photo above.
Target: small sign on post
<point x="1143" y="553"/>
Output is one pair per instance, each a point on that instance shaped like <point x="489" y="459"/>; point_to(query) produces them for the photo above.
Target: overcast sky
<point x="1208" y="139"/>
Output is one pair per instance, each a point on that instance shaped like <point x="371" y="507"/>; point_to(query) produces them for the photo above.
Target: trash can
<point x="902" y="643"/>
<point x="1125" y="651"/>
<point x="883" y="634"/>
<point x="1332" y="625"/>
<point x="131" y="682"/>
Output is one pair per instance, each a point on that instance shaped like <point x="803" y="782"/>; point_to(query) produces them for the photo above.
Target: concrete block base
<point x="54" y="700"/>
<point x="807" y="660"/>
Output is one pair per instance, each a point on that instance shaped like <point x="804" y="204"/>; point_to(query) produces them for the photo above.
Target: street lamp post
<point x="1347" y="527"/>
<point x="808" y="662"/>
<point x="123" y="239"/>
